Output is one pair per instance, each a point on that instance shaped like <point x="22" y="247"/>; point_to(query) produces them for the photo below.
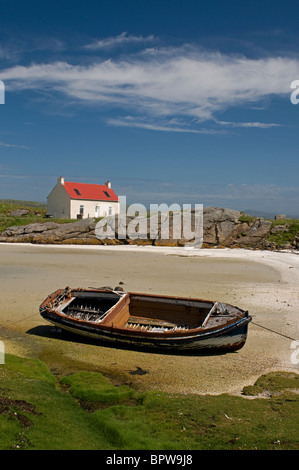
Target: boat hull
<point x="229" y="338"/>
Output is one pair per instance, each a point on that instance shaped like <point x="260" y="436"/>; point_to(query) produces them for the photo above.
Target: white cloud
<point x="169" y="126"/>
<point x="120" y="40"/>
<point x="262" y="125"/>
<point x="4" y="144"/>
<point x="192" y="86"/>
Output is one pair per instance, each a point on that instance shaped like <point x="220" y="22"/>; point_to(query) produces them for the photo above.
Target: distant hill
<point x="268" y="215"/>
<point x="20" y="203"/>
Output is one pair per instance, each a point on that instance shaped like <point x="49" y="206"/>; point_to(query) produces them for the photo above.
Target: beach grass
<point x="287" y="236"/>
<point x="7" y="221"/>
<point x="37" y="214"/>
<point x="8" y="205"/>
<point x="85" y="411"/>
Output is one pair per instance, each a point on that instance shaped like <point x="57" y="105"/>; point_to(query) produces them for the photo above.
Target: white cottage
<point x="69" y="200"/>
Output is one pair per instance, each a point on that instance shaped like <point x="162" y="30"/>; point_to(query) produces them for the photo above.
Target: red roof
<point x="93" y="192"/>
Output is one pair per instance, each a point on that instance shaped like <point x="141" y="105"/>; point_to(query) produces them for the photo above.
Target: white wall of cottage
<point x="93" y="208"/>
<point x="58" y="205"/>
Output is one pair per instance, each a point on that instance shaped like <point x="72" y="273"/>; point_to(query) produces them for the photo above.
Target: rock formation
<point x="221" y="228"/>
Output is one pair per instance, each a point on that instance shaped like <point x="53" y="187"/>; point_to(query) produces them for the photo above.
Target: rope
<point x="18" y="321"/>
<point x="272" y="331"/>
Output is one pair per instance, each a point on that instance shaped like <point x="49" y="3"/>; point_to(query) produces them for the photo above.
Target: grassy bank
<point x="285" y="235"/>
<point x="37" y="214"/>
<point x="86" y="411"/>
<point x="8" y="205"/>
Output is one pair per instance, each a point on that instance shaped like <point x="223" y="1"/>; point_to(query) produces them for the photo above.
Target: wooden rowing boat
<point x="147" y="321"/>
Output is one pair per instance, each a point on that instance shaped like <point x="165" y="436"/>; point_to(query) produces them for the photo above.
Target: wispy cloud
<point x="169" y="126"/>
<point x="261" y="125"/>
<point x="6" y="145"/>
<point x="122" y="39"/>
<point x="179" y="89"/>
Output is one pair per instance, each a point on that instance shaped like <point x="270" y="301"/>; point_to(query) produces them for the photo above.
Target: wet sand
<point x="265" y="283"/>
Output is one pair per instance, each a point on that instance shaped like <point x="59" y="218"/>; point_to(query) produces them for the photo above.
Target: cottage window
<point x="77" y="192"/>
<point x="107" y="194"/>
<point x="81" y="210"/>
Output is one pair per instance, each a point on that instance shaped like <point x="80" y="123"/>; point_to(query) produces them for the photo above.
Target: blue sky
<point x="173" y="101"/>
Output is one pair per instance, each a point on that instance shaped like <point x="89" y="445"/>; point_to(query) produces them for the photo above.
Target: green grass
<point x="283" y="238"/>
<point x="246" y="218"/>
<point x="92" y="388"/>
<point x="37" y="214"/>
<point x="279" y="238"/>
<point x="6" y="222"/>
<point x="8" y="205"/>
<point x="86" y="411"/>
<point x="273" y="384"/>
<point x="56" y="421"/>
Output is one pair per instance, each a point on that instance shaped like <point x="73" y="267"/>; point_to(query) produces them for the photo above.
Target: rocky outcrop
<point x="226" y="227"/>
<point x="255" y="233"/>
<point x="19" y="213"/>
<point x="50" y="232"/>
<point x="221" y="228"/>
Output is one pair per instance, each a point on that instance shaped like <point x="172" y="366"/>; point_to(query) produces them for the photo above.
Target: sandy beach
<point x="263" y="282"/>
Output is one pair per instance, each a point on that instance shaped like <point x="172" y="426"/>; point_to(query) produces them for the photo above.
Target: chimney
<point x="61" y="180"/>
<point x="108" y="184"/>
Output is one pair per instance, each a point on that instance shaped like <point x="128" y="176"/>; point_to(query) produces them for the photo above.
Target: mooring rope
<point x="272" y="331"/>
<point x="19" y="321"/>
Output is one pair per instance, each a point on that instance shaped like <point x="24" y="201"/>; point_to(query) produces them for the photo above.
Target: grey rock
<point x="256" y="234"/>
<point x="38" y="228"/>
<point x="279" y="228"/>
<point x="19" y="212"/>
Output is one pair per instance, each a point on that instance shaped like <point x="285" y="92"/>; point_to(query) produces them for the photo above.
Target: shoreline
<point x="272" y="258"/>
<point x="264" y="282"/>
